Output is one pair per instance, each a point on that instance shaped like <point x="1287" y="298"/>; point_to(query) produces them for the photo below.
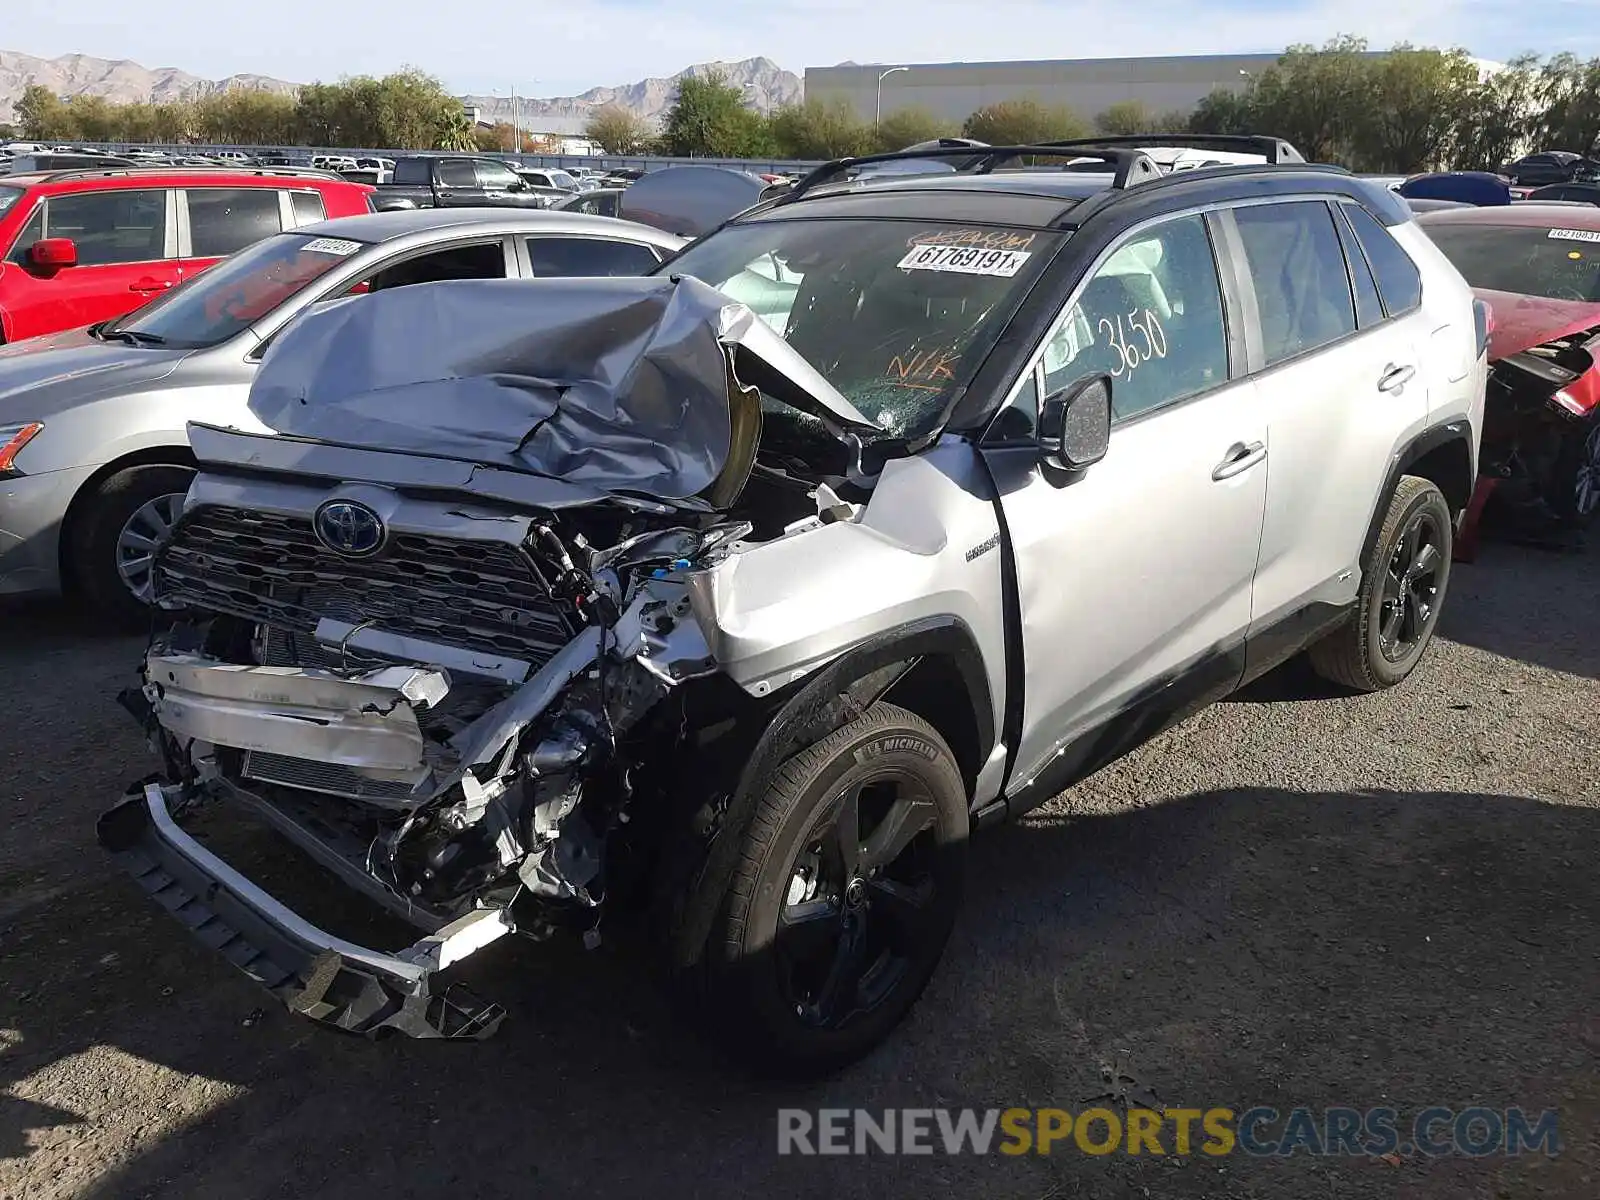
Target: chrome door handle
<point x="1241" y="458"/>
<point x="1394" y="379"/>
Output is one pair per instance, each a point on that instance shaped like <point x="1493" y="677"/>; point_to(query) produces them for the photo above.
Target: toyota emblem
<point x="348" y="528"/>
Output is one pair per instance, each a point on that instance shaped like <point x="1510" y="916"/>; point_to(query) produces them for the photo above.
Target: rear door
<point x="1341" y="381"/>
<point x="127" y="252"/>
<point x="214" y="222"/>
<point x="455" y="183"/>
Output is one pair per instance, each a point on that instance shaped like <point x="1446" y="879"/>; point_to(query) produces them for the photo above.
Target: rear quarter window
<point x="1399" y="281"/>
<point x="308" y="207"/>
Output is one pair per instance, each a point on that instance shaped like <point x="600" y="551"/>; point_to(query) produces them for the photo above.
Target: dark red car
<point x="1538" y="268"/>
<point x="82" y="246"/>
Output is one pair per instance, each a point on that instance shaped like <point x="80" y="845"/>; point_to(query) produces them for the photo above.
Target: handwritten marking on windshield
<point x="976" y="239"/>
<point x="926" y="369"/>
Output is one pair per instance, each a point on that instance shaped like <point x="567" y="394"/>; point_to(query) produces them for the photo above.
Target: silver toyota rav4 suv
<point x="736" y="597"/>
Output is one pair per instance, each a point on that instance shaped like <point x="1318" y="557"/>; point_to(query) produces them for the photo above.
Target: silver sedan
<point x="94" y="455"/>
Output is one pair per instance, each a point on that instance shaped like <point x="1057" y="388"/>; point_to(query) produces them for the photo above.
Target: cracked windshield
<point x="895" y="314"/>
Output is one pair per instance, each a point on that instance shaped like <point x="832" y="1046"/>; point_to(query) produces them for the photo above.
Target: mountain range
<point x="122" y="82"/>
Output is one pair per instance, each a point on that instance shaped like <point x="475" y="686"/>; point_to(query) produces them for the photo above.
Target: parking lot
<point x="1289" y="900"/>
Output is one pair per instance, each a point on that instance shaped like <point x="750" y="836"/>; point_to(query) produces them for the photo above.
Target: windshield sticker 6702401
<point x="964" y="261"/>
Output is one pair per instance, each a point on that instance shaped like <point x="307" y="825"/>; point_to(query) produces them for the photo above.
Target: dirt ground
<point x="1289" y="900"/>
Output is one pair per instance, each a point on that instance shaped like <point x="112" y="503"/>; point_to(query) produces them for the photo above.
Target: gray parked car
<point x="94" y="458"/>
<point x="618" y="594"/>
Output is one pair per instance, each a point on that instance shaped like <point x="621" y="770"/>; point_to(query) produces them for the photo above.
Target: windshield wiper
<point x="132" y="337"/>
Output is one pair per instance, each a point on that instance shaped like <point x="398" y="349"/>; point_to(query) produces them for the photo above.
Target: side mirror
<point x="1075" y="424"/>
<point x="53" y="254"/>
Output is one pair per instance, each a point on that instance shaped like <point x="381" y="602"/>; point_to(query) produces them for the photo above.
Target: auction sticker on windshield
<point x="338" y="246"/>
<point x="1576" y="235"/>
<point x="965" y="261"/>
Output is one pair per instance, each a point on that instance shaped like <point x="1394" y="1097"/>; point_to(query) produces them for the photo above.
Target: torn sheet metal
<point x="622" y="385"/>
<point x="367" y="723"/>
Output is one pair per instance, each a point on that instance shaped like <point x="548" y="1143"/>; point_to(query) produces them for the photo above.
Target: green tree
<point x="820" y="129"/>
<point x="43" y="116"/>
<point x="1497" y="116"/>
<point x="1223" y="111"/>
<point x="93" y="119"/>
<point x="1568" y="92"/>
<point x="176" y="123"/>
<point x="708" y="118"/>
<point x="1411" y="114"/>
<point x="1130" y="116"/>
<point x="1314" y="98"/>
<point x="1023" y="122"/>
<point x="618" y="131"/>
<point x="909" y="126"/>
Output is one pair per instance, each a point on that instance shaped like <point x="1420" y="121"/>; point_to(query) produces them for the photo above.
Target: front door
<point x="1135" y="577"/>
<point x="126" y="255"/>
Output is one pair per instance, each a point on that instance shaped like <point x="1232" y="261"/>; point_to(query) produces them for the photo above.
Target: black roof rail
<point x="160" y="168"/>
<point x="1128" y="166"/>
<point x="1274" y="149"/>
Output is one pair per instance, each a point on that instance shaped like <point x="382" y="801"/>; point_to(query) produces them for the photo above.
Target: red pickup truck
<point x="82" y="246"/>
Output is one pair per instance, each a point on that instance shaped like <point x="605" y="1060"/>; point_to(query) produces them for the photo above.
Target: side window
<point x="1298" y="269"/>
<point x="1399" y="280"/>
<point x="1369" y="309"/>
<point x="588" y="257"/>
<point x="457" y="172"/>
<point x="32" y="232"/>
<point x="496" y="175"/>
<point x="1151" y="318"/>
<point x="483" y="260"/>
<point x="308" y="207"/>
<point x="111" y="227"/>
<point x="222" y="220"/>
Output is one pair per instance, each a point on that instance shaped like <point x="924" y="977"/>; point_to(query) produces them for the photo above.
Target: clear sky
<point x="562" y="47"/>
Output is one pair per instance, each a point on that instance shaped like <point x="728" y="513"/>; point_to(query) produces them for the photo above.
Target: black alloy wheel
<point x="1412" y="583"/>
<point x="847" y="872"/>
<point x="860" y="901"/>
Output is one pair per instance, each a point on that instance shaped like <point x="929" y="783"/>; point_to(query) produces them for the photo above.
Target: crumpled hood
<point x="1523" y="322"/>
<point x="45" y="375"/>
<point x="620" y="385"/>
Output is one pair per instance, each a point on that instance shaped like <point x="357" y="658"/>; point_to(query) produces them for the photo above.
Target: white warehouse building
<point x="1088" y="86"/>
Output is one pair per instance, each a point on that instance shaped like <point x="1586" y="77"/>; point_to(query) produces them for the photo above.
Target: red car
<point x="1537" y="266"/>
<point x="83" y="246"/>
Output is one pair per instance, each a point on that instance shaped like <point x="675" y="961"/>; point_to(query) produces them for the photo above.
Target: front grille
<point x="270" y="568"/>
<point x="322" y="777"/>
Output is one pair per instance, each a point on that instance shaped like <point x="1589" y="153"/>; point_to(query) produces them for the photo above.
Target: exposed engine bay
<point x="1540" y="412"/>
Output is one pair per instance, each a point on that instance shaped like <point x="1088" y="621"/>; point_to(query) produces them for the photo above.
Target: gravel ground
<point x="1289" y="900"/>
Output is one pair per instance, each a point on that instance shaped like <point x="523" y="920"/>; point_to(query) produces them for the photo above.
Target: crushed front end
<point x="438" y="724"/>
<point x="1541" y="440"/>
<point x="443" y="677"/>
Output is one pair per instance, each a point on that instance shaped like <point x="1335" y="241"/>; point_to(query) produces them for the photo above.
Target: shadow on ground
<point x="1227" y="949"/>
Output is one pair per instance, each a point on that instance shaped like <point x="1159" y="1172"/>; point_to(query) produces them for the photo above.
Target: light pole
<point x="878" y="115"/>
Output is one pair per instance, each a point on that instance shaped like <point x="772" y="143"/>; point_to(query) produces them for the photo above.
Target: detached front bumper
<point x="313" y="972"/>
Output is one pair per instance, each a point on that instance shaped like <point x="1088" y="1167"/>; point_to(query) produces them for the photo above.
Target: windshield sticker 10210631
<point x="339" y="246"/>
<point x="965" y="261"/>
